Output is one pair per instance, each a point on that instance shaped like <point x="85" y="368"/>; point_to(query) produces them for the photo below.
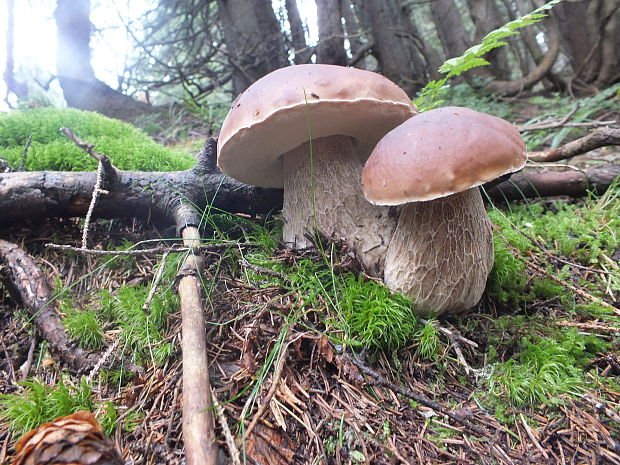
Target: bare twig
<point x="96" y="191"/>
<point x="155" y="285"/>
<point x="549" y="124"/>
<point x="175" y="248"/>
<point x="22" y="162"/>
<point x="600" y="137"/>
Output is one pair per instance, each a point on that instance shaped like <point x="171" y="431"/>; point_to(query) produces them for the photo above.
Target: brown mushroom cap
<point x="279" y="111"/>
<point x="439" y="153"/>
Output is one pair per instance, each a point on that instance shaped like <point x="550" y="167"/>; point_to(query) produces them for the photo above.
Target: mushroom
<point x="441" y="252"/>
<point x="309" y="128"/>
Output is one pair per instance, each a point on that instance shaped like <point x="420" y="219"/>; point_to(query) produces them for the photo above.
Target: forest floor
<point x="529" y="376"/>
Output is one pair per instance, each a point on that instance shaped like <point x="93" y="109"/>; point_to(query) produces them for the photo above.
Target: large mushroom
<point x="309" y="128"/>
<point x="441" y="252"/>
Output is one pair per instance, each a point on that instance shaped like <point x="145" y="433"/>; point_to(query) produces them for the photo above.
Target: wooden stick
<point x="198" y="419"/>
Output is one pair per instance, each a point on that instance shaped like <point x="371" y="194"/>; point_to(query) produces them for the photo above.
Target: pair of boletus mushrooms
<point x="358" y="164"/>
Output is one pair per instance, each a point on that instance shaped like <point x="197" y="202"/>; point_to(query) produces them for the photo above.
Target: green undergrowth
<point x="128" y="147"/>
<point x="531" y="359"/>
<point x="139" y="331"/>
<point x="38" y="403"/>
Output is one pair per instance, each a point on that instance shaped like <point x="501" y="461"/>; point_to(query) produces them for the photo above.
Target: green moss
<point x="374" y="316"/>
<point x="544" y="368"/>
<point x="85" y="327"/>
<point x="128" y="147"/>
<point x="39" y="403"/>
<point x="141" y="330"/>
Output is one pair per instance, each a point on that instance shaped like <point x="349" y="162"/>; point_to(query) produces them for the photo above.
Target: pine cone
<point x="72" y="440"/>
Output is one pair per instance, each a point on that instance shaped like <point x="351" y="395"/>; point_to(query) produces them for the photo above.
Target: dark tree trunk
<point x="254" y="42"/>
<point x="395" y="42"/>
<point x="80" y="87"/>
<point x="330" y="48"/>
<point x="450" y="28"/>
<point x="487" y="17"/>
<point x="359" y="47"/>
<point x="590" y="37"/>
<point x="302" y="52"/>
<point x="20" y="89"/>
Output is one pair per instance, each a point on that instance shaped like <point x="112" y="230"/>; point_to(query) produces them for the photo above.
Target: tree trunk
<point x="359" y="47"/>
<point x="254" y="42"/>
<point x="20" y="89"/>
<point x="487" y="17"/>
<point x="302" y="52"/>
<point x="450" y="28"/>
<point x="396" y="45"/>
<point x="590" y="38"/>
<point x="80" y="87"/>
<point x="330" y="48"/>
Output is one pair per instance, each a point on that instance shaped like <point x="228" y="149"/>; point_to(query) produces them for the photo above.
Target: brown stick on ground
<point x="198" y="419"/>
<point x="34" y="292"/>
<point x="600" y="137"/>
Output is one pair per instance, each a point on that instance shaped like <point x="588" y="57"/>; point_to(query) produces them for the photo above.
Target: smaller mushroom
<point x="441" y="252"/>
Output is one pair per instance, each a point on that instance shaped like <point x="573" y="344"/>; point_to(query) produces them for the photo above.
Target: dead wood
<point x="600" y="137"/>
<point x="33" y="291"/>
<point x="198" y="419"/>
<point x="573" y="183"/>
<point x="145" y="195"/>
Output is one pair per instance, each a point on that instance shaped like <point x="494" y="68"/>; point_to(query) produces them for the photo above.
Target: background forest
<point x="118" y="309"/>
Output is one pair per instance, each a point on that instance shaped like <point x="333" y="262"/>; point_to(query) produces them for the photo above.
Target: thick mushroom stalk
<point x="321" y="193"/>
<point x="442" y="250"/>
<point x="441" y="253"/>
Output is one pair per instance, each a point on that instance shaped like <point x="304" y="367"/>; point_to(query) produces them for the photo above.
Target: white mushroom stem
<point x="331" y="175"/>
<point x="441" y="253"/>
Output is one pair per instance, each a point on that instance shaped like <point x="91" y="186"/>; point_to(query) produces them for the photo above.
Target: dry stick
<point x="25" y="369"/>
<point x="150" y="251"/>
<point x="380" y="380"/>
<point x="31" y="283"/>
<point x="198" y="422"/>
<point x="156" y="280"/>
<point x="22" y="162"/>
<point x="96" y="191"/>
<point x="549" y="124"/>
<point x="600" y="137"/>
<point x="230" y="440"/>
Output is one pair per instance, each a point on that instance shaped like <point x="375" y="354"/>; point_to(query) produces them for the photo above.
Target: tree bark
<point x="590" y="37"/>
<point x="20" y="89"/>
<point x="359" y="47"/>
<point x="487" y="17"/>
<point x="570" y="183"/>
<point x="330" y="48"/>
<point x="80" y="87"/>
<point x="395" y="43"/>
<point x="450" y="28"/>
<point x="302" y="52"/>
<point x="254" y="42"/>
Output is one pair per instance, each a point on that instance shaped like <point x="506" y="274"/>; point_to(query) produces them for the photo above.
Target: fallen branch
<point x="601" y="137"/>
<point x="198" y="420"/>
<point x="32" y="288"/>
<point x="572" y="183"/>
<point x="150" y="196"/>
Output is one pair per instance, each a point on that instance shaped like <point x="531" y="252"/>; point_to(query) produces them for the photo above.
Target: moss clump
<point x="374" y="316"/>
<point x="128" y="147"/>
<point x="39" y="403"/>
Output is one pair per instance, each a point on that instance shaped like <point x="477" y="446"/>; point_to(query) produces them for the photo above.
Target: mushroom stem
<point x="441" y="253"/>
<point x="330" y="175"/>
